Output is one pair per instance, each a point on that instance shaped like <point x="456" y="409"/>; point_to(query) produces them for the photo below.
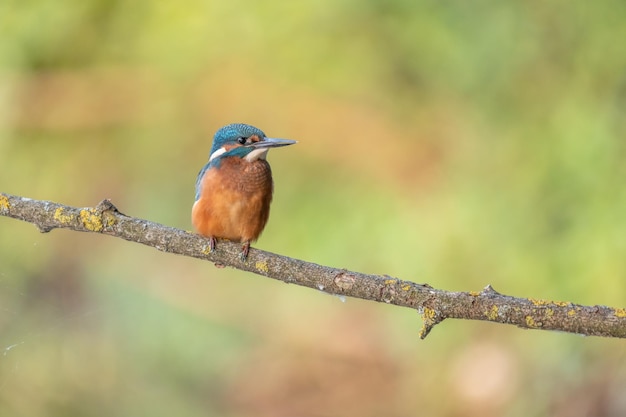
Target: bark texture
<point x="432" y="304"/>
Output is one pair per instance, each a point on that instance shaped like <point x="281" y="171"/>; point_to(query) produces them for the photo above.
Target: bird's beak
<point x="272" y="143"/>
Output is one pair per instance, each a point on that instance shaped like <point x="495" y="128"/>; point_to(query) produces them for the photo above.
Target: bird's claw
<point x="245" y="249"/>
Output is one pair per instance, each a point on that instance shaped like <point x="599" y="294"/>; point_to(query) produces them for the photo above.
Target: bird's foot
<point x="212" y="243"/>
<point x="245" y="248"/>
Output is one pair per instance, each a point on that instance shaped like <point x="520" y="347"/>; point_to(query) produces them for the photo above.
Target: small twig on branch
<point x="432" y="304"/>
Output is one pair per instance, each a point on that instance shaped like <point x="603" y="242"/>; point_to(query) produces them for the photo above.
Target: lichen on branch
<point x="432" y="304"/>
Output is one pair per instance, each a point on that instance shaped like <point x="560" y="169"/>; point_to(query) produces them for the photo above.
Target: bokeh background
<point x="455" y="143"/>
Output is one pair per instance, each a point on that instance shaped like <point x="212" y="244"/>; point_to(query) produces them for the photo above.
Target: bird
<point x="234" y="188"/>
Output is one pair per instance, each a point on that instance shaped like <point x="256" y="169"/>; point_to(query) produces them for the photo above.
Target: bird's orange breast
<point x="234" y="200"/>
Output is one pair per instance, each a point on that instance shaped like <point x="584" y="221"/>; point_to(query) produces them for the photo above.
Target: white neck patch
<point x="217" y="153"/>
<point x="260" y="153"/>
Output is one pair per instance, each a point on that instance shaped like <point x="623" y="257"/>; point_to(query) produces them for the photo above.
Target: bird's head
<point x="243" y="141"/>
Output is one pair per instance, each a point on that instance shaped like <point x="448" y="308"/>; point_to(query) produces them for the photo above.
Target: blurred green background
<point x="455" y="143"/>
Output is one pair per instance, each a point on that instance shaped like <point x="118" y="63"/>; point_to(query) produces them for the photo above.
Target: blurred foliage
<point x="475" y="143"/>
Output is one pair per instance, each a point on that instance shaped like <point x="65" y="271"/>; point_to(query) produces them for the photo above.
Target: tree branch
<point x="432" y="304"/>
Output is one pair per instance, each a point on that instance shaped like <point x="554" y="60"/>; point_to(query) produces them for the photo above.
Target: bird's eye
<point x="241" y="140"/>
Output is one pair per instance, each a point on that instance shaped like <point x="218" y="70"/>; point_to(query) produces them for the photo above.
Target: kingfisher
<point x="234" y="189"/>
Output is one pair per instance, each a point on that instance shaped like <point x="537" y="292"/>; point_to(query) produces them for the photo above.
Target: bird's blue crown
<point x="232" y="132"/>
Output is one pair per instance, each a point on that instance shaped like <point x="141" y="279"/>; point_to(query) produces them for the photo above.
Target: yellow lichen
<point x="539" y="302"/>
<point x="4" y="202"/>
<point x="549" y="312"/>
<point x="493" y="313"/>
<point x="60" y="216"/>
<point x="571" y="313"/>
<point x="429" y="317"/>
<point x="91" y="221"/>
<point x="620" y="312"/>
<point x="406" y="287"/>
<point x="474" y="293"/>
<point x="530" y="322"/>
<point x="390" y="281"/>
<point x="428" y="314"/>
<point x="262" y="266"/>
